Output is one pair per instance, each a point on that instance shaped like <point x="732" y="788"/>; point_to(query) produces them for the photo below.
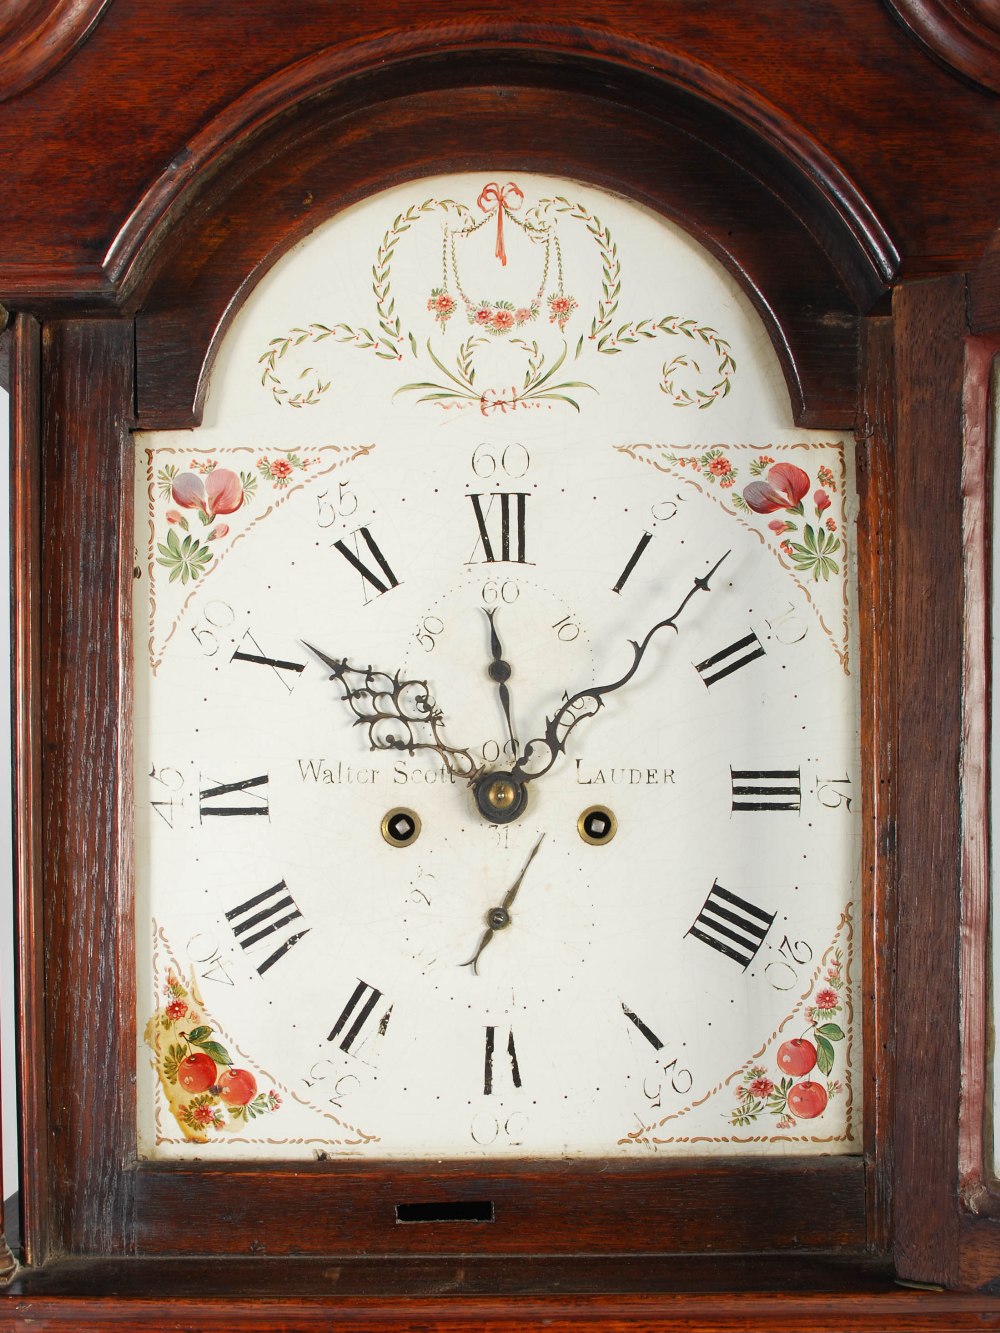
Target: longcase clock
<point x="500" y="632"/>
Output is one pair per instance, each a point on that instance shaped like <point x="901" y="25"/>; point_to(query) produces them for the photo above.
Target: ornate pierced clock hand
<point x="500" y="672"/>
<point x="399" y="714"/>
<point x="498" y="918"/>
<point x="585" y="703"/>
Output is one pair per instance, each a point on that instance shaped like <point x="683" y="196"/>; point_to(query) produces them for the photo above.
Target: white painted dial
<point x="318" y="680"/>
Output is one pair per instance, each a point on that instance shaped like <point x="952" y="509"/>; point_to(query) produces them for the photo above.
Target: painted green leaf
<point x="832" y="1031"/>
<point x="824" y="1055"/>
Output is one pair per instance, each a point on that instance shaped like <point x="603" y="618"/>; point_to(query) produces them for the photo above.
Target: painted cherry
<point x="807" y="1100"/>
<point x="196" y="1072"/>
<point x="237" y="1087"/>
<point x="797" y="1056"/>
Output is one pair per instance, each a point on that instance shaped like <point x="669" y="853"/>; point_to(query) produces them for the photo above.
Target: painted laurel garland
<point x="456" y="377"/>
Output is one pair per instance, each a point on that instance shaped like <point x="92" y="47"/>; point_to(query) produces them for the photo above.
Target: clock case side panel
<point x="978" y="1221"/>
<point x="78" y="1036"/>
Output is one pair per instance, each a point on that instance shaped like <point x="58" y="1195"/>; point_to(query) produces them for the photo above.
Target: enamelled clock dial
<point x="496" y="713"/>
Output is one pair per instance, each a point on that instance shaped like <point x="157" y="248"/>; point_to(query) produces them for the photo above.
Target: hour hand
<point x="399" y="713"/>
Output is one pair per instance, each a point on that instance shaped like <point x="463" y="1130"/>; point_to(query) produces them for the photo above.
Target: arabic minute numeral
<point x="787" y="626"/>
<point x="171" y="780"/>
<point x="780" y="972"/>
<point x="205" y="953"/>
<point x="342" y="505"/>
<point x="214" y="616"/>
<point x="827" y="793"/>
<point x="681" y="1081"/>
<point x="513" y="461"/>
<point x="430" y="628"/>
<point x="566" y="630"/>
<point x="487" y="1129"/>
<point x="495" y="590"/>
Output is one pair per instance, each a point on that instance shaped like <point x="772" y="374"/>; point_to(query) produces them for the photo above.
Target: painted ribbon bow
<point x="507" y="198"/>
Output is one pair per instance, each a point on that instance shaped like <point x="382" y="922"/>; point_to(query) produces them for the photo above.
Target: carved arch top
<point x="962" y="34"/>
<point x="36" y="36"/>
<point x="666" y="129"/>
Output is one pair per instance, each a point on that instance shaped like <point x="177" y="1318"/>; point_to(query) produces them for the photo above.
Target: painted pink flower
<point x="176" y="1009"/>
<point x="442" y="304"/>
<point x="484" y="314"/>
<point x="784" y="488"/>
<point x="761" y="1087"/>
<point x="220" y="530"/>
<point x="720" y="467"/>
<point x="523" y="315"/>
<point x="503" y="319"/>
<point x="822" y="501"/>
<point x="827" y="999"/>
<point x="202" y="1115"/>
<point x="174" y="516"/>
<point x="777" y="525"/>
<point x="560" y="309"/>
<point x="831" y="525"/>
<point x="280" y="468"/>
<point x="221" y="492"/>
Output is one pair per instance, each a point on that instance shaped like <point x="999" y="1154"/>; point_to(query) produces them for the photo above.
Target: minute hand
<point x="565" y="718"/>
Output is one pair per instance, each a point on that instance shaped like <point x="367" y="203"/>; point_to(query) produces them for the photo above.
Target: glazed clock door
<point x="496" y="723"/>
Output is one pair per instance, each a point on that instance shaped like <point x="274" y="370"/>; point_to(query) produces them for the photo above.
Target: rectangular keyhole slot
<point x="447" y="1210"/>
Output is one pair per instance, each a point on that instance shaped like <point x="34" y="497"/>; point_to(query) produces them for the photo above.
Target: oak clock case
<point x="496" y="722"/>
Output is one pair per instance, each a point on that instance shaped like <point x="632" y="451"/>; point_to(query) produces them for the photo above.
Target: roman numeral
<point x="262" y="916"/>
<point x="731" y="925"/>
<point x="730" y="659"/>
<point x="258" y="804"/>
<point x="511" y="534"/>
<point x="647" y="1032"/>
<point x="633" y="560"/>
<point x="488" y="1071"/>
<point x="259" y="658"/>
<point x="382" y="581"/>
<point x="767" y="789"/>
<point x="356" y="1014"/>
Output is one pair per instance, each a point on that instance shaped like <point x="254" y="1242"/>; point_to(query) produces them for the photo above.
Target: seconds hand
<point x="498" y="918"/>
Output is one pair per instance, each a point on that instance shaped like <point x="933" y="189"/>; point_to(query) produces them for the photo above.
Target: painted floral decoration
<point x="561" y="307"/>
<point x="713" y="465"/>
<point x="792" y="1092"/>
<point x="499" y="317"/>
<point x="785" y="488"/>
<point x="206" y="1091"/>
<point x="206" y="491"/>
